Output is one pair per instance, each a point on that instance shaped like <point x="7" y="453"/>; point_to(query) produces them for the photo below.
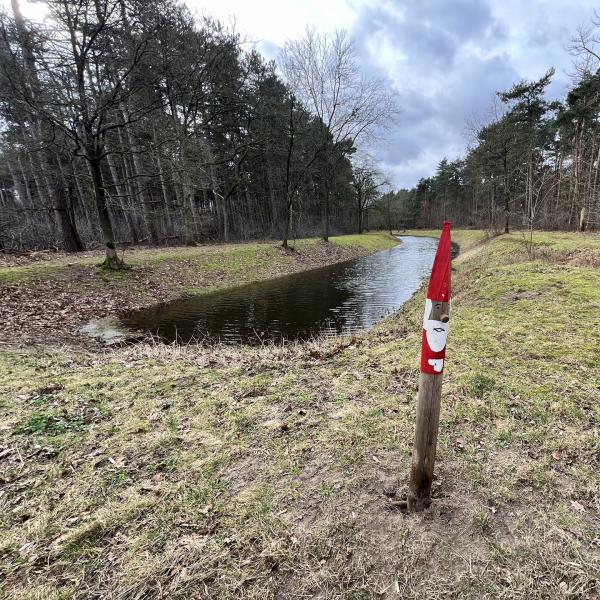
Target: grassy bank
<point x="155" y="472"/>
<point x="45" y="295"/>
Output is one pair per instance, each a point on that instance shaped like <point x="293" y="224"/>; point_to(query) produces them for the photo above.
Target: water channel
<point x="345" y="298"/>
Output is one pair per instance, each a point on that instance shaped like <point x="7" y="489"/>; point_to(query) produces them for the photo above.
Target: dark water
<point x="340" y="299"/>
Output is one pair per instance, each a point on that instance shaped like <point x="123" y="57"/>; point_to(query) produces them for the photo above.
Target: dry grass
<point x="180" y="472"/>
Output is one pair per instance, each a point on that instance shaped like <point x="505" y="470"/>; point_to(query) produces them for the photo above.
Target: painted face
<point x="435" y="324"/>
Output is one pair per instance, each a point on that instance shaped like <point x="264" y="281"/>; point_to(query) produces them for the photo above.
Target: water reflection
<point x="345" y="298"/>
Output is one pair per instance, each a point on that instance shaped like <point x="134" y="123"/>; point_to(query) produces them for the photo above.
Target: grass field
<point x="234" y="259"/>
<point x="180" y="472"/>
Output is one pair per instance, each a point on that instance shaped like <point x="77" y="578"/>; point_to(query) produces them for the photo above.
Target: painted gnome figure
<point x="437" y="308"/>
<point x="433" y="354"/>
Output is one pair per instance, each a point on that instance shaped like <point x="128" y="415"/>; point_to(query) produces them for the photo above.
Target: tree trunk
<point x="140" y="183"/>
<point x="288" y="223"/>
<point x="426" y="433"/>
<point x="121" y="195"/>
<point x="225" y="218"/>
<point x="65" y="211"/>
<point x="289" y="193"/>
<point x="112" y="261"/>
<point x="594" y="185"/>
<point x="272" y="198"/>
<point x="559" y="171"/>
<point x="506" y="196"/>
<point x="164" y="192"/>
<point x="83" y="198"/>
<point x="326" y="219"/>
<point x="582" y="219"/>
<point x="20" y="184"/>
<point x="575" y="173"/>
<point x="129" y="189"/>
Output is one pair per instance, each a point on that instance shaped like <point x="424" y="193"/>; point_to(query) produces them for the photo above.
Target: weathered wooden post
<point x="433" y="353"/>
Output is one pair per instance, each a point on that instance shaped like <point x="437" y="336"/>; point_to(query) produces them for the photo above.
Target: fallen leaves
<point x="458" y="444"/>
<point x="276" y="425"/>
<point x="57" y="302"/>
<point x="51" y="388"/>
<point x="153" y="486"/>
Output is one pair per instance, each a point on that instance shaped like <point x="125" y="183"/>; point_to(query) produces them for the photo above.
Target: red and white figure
<point x="437" y="308"/>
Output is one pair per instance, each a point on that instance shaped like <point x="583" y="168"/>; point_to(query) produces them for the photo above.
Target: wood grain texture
<point x="423" y="458"/>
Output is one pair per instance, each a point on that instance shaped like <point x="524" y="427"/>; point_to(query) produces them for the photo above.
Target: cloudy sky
<point x="445" y="59"/>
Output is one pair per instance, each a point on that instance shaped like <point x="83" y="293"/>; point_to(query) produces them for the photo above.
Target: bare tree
<point x="323" y="72"/>
<point x="585" y="48"/>
<point x="85" y="81"/>
<point x="367" y="182"/>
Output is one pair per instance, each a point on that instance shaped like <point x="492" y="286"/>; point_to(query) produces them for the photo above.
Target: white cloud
<point x="276" y="20"/>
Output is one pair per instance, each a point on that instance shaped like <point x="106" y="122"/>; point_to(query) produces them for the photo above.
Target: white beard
<point x="435" y="331"/>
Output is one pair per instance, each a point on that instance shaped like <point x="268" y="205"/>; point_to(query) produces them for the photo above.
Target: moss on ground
<point x="158" y="471"/>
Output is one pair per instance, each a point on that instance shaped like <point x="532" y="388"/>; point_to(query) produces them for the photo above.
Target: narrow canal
<point x="346" y="298"/>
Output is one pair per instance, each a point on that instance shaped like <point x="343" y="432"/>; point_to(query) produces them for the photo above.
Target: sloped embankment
<point x="267" y="473"/>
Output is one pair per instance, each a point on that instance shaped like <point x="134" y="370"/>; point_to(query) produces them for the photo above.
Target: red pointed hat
<point x="439" y="282"/>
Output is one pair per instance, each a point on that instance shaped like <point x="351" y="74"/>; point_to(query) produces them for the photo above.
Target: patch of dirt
<point x="583" y="257"/>
<point x="360" y="538"/>
<point x="525" y="294"/>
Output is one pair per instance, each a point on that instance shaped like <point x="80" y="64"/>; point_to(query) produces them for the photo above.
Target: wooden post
<point x="433" y="355"/>
<point x="423" y="457"/>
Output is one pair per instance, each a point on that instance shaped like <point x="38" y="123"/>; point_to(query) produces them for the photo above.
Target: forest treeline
<point x="131" y="121"/>
<point x="534" y="165"/>
<point x="126" y="122"/>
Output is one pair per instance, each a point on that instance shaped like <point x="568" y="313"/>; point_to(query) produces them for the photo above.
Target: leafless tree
<point x="324" y="73"/>
<point x="368" y="182"/>
<point x="85" y="81"/>
<point x="585" y="48"/>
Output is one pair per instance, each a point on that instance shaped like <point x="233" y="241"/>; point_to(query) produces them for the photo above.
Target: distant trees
<point x="394" y="210"/>
<point x="368" y="183"/>
<point x="535" y="164"/>
<point x="128" y="121"/>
